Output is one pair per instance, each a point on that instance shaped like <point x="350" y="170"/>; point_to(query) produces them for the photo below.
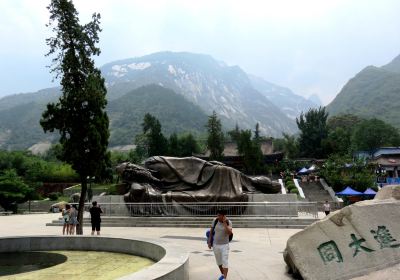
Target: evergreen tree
<point x="157" y="144"/>
<point x="79" y="115"/>
<point x="235" y="133"/>
<point x="250" y="150"/>
<point x="215" y="139"/>
<point x="290" y="146"/>
<point x="141" y="150"/>
<point x="173" y="145"/>
<point x="339" y="141"/>
<point x="257" y="132"/>
<point x="188" y="145"/>
<point x="313" y="133"/>
<point x="340" y="129"/>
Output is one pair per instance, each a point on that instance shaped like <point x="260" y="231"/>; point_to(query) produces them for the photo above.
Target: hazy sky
<point x="312" y="46"/>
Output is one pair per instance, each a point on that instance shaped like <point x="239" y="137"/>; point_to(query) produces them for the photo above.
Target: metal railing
<point x="266" y="209"/>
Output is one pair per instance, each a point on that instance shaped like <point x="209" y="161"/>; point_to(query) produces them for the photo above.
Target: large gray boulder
<point x="388" y="192"/>
<point x="354" y="241"/>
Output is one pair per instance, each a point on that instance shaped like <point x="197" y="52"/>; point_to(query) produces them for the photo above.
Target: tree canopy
<point x="340" y="130"/>
<point x="79" y="115"/>
<point x="313" y="132"/>
<point x="13" y="190"/>
<point x="290" y="146"/>
<point x="215" y="139"/>
<point x="345" y="121"/>
<point x="341" y="171"/>
<point x="250" y="150"/>
<point x="157" y="144"/>
<point x="372" y="134"/>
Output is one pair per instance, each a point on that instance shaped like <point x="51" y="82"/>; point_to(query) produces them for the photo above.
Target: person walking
<point x="66" y="215"/>
<point x="95" y="212"/>
<point x="220" y="232"/>
<point x="327" y="207"/>
<point x="73" y="219"/>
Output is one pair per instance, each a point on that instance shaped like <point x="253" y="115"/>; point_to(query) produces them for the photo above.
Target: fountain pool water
<point x="44" y="265"/>
<point x="91" y="257"/>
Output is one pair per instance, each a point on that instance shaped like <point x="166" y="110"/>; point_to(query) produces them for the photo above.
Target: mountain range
<point x="185" y="89"/>
<point x="288" y="102"/>
<point x="373" y="92"/>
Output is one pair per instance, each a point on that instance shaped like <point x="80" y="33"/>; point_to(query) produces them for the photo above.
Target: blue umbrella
<point x="370" y="191"/>
<point x="349" y="191"/>
<point x="303" y="171"/>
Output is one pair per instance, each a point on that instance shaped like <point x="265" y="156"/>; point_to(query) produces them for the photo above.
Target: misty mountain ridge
<point x="205" y="83"/>
<point x="213" y="85"/>
<point x="291" y="104"/>
<point x="373" y="92"/>
<point x="393" y="66"/>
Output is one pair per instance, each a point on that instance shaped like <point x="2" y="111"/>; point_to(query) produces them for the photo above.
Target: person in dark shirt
<point x="95" y="212"/>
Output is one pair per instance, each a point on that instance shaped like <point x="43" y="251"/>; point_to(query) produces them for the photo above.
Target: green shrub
<point x="54" y="195"/>
<point x="290" y="184"/>
<point x="295" y="190"/>
<point x="287" y="180"/>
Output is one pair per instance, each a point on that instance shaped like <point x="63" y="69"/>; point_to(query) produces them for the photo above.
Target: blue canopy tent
<point x="349" y="192"/>
<point x="370" y="191"/>
<point x="313" y="168"/>
<point x="303" y="171"/>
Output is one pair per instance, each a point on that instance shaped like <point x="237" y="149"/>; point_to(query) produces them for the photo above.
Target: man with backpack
<point x="218" y="239"/>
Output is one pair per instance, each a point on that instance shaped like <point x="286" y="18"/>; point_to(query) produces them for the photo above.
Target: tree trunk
<point x="81" y="208"/>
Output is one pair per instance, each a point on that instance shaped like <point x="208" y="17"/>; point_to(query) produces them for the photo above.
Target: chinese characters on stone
<point x="330" y="252"/>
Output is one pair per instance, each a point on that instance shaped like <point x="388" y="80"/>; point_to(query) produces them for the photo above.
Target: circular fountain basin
<point x="88" y="265"/>
<point x="170" y="261"/>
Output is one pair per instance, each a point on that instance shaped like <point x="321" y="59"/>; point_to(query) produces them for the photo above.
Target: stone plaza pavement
<point x="255" y="253"/>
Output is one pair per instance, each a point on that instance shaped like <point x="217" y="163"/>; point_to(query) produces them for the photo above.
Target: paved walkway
<point x="255" y="253"/>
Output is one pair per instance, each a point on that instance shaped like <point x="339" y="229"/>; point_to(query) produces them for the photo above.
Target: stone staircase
<point x="199" y="222"/>
<point x="314" y="191"/>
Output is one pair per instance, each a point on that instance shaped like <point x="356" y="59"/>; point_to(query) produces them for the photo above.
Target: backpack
<point x="213" y="230"/>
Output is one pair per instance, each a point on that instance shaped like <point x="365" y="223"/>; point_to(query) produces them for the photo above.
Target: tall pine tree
<point x="215" y="139"/>
<point x="250" y="150"/>
<point x="257" y="136"/>
<point x="157" y="144"/>
<point x="79" y="115"/>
